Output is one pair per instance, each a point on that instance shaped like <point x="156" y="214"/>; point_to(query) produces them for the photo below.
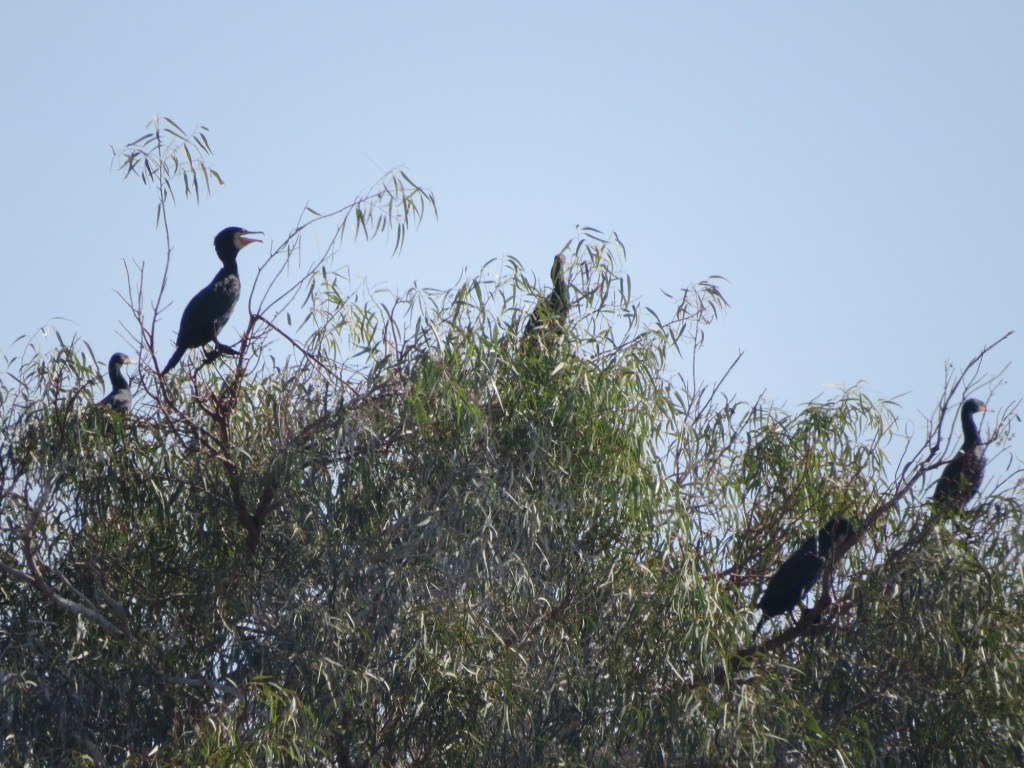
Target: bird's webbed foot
<point x="217" y="351"/>
<point x="209" y="357"/>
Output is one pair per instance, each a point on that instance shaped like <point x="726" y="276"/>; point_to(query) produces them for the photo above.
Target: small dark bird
<point x="120" y="399"/>
<point x="801" y="571"/>
<point x="552" y="313"/>
<point x="962" y="476"/>
<point x="209" y="311"/>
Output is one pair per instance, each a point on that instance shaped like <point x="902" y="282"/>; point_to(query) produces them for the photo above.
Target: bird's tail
<point x="174" y="360"/>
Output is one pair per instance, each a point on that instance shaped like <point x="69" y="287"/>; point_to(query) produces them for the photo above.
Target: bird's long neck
<point x="560" y="295"/>
<point x="560" y="290"/>
<point x="230" y="268"/>
<point x="971" y="436"/>
<point x="117" y="379"/>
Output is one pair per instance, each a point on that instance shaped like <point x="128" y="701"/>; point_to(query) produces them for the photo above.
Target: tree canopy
<point x="392" y="532"/>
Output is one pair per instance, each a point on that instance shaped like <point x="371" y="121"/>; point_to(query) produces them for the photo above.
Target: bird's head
<point x="230" y="241"/>
<point x="836" y="531"/>
<point x="118" y="360"/>
<point x="973" y="406"/>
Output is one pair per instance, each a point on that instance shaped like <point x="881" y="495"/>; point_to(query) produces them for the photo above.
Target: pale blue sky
<point x="855" y="170"/>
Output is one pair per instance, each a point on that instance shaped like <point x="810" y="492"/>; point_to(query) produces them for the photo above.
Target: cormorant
<point x="551" y="313"/>
<point x="209" y="310"/>
<point x="801" y="571"/>
<point x="962" y="476"/>
<point x="120" y="399"/>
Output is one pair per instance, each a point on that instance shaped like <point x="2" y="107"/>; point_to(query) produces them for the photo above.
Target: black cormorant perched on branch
<point x="801" y="571"/>
<point x="551" y="313"/>
<point x="120" y="398"/>
<point x="962" y="476"/>
<point x="209" y="311"/>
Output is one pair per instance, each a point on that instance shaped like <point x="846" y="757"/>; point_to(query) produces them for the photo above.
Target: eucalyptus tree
<point x="390" y="532"/>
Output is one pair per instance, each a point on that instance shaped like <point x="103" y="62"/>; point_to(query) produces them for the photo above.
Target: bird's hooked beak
<point x="241" y="240"/>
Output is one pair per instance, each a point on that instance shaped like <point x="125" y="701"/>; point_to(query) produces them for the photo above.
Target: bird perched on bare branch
<point x="962" y="476"/>
<point x="210" y="309"/>
<point x="801" y="571"/>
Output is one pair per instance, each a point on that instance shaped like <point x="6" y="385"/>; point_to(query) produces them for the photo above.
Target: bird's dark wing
<point x="800" y="571"/>
<point x="792" y="581"/>
<point x="961" y="478"/>
<point x="948" y="487"/>
<point x="119" y="400"/>
<point x="208" y="311"/>
<point x="197" y="325"/>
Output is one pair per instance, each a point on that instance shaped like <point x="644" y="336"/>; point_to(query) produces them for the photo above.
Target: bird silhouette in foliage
<point x="963" y="474"/>
<point x="801" y="571"/>
<point x="120" y="397"/>
<point x="549" y="317"/>
<point x="209" y="310"/>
